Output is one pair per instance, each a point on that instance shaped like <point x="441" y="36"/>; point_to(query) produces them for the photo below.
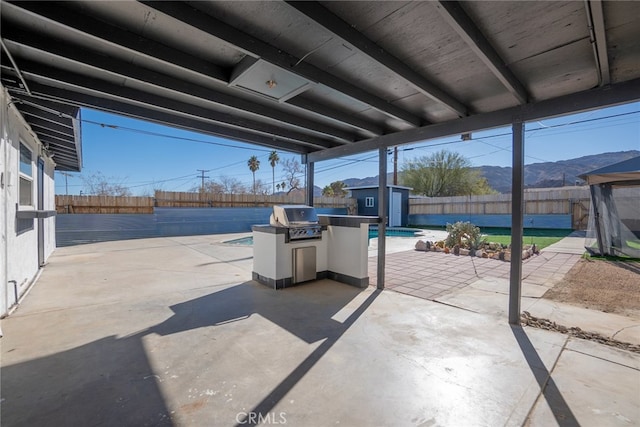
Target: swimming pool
<point x="373" y="233"/>
<point x="243" y="241"/>
<point x="395" y="232"/>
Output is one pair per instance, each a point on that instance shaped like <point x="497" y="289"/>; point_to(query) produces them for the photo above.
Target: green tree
<point x="273" y="161"/>
<point x="254" y="165"/>
<point x="335" y="189"/>
<point x="443" y="173"/>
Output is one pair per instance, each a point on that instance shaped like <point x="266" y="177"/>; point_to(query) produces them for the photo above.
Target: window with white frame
<point x="26" y="176"/>
<point x="369" y="202"/>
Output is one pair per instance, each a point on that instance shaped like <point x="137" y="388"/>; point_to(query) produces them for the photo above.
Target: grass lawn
<point x="541" y="237"/>
<point x="635" y="244"/>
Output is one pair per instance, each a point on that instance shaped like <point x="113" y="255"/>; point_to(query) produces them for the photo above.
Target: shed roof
<point x="625" y="173"/>
<point x="371" y="187"/>
<point x="323" y="79"/>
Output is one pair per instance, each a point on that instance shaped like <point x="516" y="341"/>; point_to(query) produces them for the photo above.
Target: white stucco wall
<point x="342" y="250"/>
<point x="273" y="258"/>
<point x="20" y="250"/>
<point x="348" y="250"/>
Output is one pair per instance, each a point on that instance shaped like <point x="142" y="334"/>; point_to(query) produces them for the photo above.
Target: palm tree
<point x="273" y="161"/>
<point x="254" y="165"/>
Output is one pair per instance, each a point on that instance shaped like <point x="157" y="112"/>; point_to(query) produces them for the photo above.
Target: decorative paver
<point x="430" y="275"/>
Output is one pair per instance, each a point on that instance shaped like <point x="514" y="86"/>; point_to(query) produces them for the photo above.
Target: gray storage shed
<point x="367" y="198"/>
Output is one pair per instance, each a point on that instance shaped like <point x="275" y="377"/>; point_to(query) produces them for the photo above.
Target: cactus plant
<point x="464" y="234"/>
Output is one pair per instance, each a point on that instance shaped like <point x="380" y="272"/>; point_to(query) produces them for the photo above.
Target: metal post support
<point x="309" y="183"/>
<point x="517" y="219"/>
<point x="383" y="202"/>
<point x="596" y="215"/>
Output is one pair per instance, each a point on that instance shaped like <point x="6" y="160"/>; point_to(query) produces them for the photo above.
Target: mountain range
<point x="536" y="175"/>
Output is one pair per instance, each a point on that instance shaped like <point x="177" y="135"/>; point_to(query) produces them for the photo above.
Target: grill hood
<point x="293" y="216"/>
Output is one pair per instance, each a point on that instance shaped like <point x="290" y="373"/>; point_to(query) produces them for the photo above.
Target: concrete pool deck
<point x="172" y="331"/>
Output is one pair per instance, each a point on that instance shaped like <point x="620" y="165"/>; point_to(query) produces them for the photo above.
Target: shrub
<point x="464" y="234"/>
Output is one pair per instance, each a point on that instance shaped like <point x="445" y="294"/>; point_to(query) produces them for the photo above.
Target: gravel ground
<point x="609" y="286"/>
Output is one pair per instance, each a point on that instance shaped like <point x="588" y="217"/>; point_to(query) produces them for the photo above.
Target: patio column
<point x="383" y="202"/>
<point x="517" y="217"/>
<point x="309" y="184"/>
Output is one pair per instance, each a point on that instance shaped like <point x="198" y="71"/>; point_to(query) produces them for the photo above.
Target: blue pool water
<point x="244" y="241"/>
<point x="373" y="233"/>
<point x="394" y="232"/>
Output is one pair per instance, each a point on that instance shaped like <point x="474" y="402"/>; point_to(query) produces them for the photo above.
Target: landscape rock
<point x="421" y="245"/>
<point x="537" y="322"/>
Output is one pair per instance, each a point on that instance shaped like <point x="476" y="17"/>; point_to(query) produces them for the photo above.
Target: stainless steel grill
<point x="301" y="221"/>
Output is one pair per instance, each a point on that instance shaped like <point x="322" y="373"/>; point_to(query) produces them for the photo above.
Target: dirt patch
<point x="609" y="286"/>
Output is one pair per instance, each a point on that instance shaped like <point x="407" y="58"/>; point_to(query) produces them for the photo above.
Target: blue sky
<point x="142" y="155"/>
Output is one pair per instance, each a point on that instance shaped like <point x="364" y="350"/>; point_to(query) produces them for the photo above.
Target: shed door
<point x="395" y="210"/>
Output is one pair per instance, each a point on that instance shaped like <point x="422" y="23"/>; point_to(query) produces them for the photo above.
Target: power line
<point x="164" y="135"/>
<point x="348" y="161"/>
<point x="508" y="150"/>
<point x="190" y="176"/>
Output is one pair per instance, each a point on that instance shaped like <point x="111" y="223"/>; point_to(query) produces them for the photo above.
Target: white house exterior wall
<point x="19" y="251"/>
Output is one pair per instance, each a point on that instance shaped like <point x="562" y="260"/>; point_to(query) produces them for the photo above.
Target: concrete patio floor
<point x="172" y="331"/>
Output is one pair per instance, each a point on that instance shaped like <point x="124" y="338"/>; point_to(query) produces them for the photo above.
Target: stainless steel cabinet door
<point x="304" y="264"/>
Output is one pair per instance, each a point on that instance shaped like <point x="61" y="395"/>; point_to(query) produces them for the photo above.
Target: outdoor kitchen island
<point x="338" y="252"/>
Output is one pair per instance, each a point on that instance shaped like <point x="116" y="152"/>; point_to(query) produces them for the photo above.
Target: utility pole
<point x="202" y="171"/>
<point x="66" y="183"/>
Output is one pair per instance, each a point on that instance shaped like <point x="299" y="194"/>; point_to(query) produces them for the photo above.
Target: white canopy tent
<point x="614" y="220"/>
